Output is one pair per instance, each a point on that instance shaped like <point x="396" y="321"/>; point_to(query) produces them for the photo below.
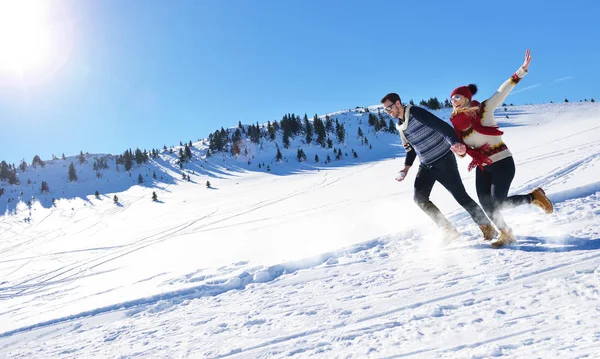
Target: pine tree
<point x="319" y="129"/>
<point x="63" y="157"/>
<point x="308" y="129"/>
<point x="237" y="135"/>
<point x="116" y="199"/>
<point x="140" y="179"/>
<point x="81" y="157"/>
<point x="44" y="188"/>
<point x="328" y="124"/>
<point x="286" y="137"/>
<point x="97" y="194"/>
<point x="182" y="158"/>
<point x="316" y="158"/>
<point x="301" y="155"/>
<point x="338" y="154"/>
<point x="392" y="127"/>
<point x="592" y="100"/>
<point x="72" y="173"/>
<point x="271" y="131"/>
<point x="373" y="121"/>
<point x="140" y="157"/>
<point x="566" y="100"/>
<point x="37" y="161"/>
<point x="207" y="184"/>
<point x="340" y="132"/>
<point x="126" y="159"/>
<point x="434" y="104"/>
<point x="154" y="197"/>
<point x="360" y="133"/>
<point x="278" y="156"/>
<point x="382" y="122"/>
<point x="8" y="172"/>
<point x="53" y="201"/>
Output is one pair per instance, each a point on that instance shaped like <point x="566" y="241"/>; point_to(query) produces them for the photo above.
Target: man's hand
<point x="459" y="148"/>
<point x="402" y="174"/>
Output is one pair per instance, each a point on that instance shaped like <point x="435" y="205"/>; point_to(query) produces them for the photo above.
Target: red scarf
<point x="465" y="121"/>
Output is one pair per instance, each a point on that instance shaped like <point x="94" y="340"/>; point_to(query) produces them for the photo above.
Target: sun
<point x="25" y="36"/>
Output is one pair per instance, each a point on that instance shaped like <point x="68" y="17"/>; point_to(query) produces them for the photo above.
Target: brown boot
<point x="506" y="237"/>
<point x="540" y="200"/>
<point x="489" y="232"/>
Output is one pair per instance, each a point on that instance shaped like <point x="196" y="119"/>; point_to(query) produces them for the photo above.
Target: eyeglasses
<point x="455" y="98"/>
<point x="389" y="108"/>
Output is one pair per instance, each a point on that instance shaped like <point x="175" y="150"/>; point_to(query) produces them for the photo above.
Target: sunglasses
<point x="455" y="98"/>
<point x="389" y="108"/>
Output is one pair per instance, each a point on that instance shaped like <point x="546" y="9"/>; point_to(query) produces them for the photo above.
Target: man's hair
<point x="392" y="97"/>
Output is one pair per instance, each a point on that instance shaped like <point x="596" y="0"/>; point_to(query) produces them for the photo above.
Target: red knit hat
<point x="466" y="91"/>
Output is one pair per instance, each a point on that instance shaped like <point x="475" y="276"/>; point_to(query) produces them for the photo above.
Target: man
<point x="431" y="139"/>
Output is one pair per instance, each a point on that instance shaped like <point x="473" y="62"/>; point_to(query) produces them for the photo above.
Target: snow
<point x="305" y="260"/>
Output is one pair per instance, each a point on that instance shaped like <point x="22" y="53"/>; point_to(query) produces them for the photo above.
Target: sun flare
<point x="25" y="37"/>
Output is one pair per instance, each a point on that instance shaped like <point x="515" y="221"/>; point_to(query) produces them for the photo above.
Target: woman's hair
<point x="468" y="110"/>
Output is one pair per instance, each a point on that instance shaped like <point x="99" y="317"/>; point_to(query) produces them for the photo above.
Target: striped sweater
<point x="491" y="147"/>
<point x="428" y="136"/>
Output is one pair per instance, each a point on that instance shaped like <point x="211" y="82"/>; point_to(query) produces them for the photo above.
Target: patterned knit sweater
<point x="427" y="135"/>
<point x="480" y="133"/>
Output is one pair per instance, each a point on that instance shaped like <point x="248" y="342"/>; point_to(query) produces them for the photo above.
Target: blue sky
<point x="127" y="74"/>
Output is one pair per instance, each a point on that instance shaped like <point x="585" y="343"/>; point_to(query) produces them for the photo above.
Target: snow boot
<point x="506" y="237"/>
<point x="540" y="200"/>
<point x="489" y="232"/>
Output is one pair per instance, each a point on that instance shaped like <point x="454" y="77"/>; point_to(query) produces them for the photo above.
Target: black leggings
<point x="492" y="185"/>
<point x="445" y="171"/>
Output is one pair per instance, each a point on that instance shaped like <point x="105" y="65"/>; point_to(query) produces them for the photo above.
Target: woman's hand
<point x="459" y="148"/>
<point x="527" y="60"/>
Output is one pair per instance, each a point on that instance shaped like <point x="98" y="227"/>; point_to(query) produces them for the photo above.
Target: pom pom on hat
<point x="466" y="91"/>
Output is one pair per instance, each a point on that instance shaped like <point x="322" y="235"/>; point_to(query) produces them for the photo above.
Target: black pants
<point x="492" y="189"/>
<point x="445" y="171"/>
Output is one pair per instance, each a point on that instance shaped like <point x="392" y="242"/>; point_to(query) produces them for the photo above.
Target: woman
<point x="481" y="138"/>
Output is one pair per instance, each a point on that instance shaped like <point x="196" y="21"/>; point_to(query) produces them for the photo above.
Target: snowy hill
<point x="164" y="169"/>
<point x="303" y="258"/>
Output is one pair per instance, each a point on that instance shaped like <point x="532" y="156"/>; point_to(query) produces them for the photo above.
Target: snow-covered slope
<point x="305" y="259"/>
